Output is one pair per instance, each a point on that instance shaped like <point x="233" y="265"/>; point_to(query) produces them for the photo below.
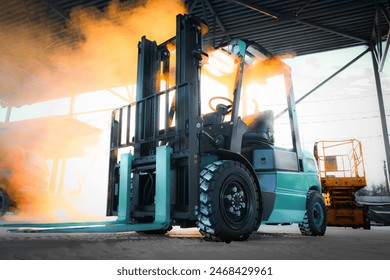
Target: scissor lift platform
<point x="342" y="174"/>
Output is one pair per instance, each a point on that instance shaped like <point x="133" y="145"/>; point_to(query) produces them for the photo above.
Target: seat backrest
<point x="260" y="127"/>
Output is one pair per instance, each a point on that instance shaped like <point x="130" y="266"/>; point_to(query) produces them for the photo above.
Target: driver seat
<point x="260" y="127"/>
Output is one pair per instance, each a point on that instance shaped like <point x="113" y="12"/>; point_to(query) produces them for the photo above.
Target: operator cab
<point x="256" y="99"/>
<point x="260" y="125"/>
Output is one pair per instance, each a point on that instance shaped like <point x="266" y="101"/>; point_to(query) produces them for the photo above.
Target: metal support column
<point x="61" y="183"/>
<point x="8" y="114"/>
<point x="53" y="176"/>
<point x="382" y="111"/>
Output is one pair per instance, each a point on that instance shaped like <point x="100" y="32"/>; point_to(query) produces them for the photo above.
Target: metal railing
<point x="340" y="158"/>
<point x="159" y="106"/>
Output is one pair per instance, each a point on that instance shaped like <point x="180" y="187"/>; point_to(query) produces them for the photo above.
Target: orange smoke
<point x="109" y="50"/>
<point x="104" y="56"/>
<point x="261" y="70"/>
<point x="26" y="176"/>
<point x="100" y="53"/>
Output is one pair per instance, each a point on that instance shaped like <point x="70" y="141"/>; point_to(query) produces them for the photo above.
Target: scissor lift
<point x="342" y="174"/>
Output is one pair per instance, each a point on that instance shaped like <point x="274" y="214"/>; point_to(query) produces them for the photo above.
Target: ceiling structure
<point x="299" y="27"/>
<point x="295" y="27"/>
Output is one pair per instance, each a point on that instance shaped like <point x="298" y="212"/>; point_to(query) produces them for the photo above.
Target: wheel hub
<point x="234" y="201"/>
<point x="318" y="214"/>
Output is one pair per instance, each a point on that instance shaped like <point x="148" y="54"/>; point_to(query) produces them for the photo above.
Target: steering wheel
<point x="224" y="108"/>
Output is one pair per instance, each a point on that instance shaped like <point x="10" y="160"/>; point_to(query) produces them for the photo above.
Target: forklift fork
<point x="122" y="224"/>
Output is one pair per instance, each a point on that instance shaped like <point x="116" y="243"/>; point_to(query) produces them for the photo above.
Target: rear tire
<point x="230" y="207"/>
<point x="314" y="221"/>
<point x="366" y="223"/>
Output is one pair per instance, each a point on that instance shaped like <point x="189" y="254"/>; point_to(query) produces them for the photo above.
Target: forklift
<point x="226" y="176"/>
<point x="171" y="164"/>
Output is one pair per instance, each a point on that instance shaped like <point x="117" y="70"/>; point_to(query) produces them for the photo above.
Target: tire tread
<point x="207" y="221"/>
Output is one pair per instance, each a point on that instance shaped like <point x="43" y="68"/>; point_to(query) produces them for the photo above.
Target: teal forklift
<point x="173" y="165"/>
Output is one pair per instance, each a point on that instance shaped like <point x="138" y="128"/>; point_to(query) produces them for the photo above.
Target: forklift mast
<point x="155" y="120"/>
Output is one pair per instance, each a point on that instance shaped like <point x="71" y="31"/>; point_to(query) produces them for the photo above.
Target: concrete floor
<point x="269" y="243"/>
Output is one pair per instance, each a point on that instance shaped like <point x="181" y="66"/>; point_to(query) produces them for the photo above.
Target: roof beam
<point x="56" y="9"/>
<point x="283" y="17"/>
<point x="257" y="8"/>
<point x="215" y="14"/>
<point x="302" y="7"/>
<point x="340" y="7"/>
<point x="330" y="30"/>
<point x="251" y="28"/>
<point x="26" y="11"/>
<point x="384" y="13"/>
<point x="207" y="3"/>
<point x="204" y="10"/>
<point x="192" y="6"/>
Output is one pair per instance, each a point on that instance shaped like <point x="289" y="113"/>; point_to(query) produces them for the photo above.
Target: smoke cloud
<point x="97" y="50"/>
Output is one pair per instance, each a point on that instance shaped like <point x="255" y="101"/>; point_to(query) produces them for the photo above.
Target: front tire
<point x="314" y="221"/>
<point x="230" y="208"/>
